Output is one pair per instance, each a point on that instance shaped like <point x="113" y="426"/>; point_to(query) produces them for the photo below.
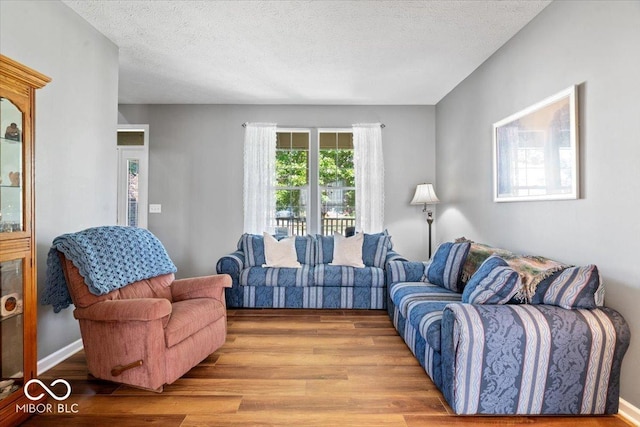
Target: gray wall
<point x="76" y="116"/>
<point x="196" y="158"/>
<point x="593" y="44"/>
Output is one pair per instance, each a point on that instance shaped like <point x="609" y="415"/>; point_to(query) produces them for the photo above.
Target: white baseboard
<point x="629" y="412"/>
<point x="54" y="358"/>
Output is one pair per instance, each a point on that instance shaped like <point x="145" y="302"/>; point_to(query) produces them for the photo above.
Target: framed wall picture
<point x="535" y="151"/>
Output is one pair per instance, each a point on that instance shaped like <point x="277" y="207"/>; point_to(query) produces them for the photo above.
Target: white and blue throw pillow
<point x="575" y="287"/>
<point x="445" y="268"/>
<point x="493" y="283"/>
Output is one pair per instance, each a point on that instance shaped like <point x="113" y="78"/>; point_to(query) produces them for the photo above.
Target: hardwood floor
<point x="286" y="368"/>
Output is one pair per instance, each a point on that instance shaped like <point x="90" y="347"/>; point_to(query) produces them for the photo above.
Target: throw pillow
<point x="446" y="265"/>
<point x="375" y="248"/>
<point x="574" y="287"/>
<point x="253" y="247"/>
<point x="280" y="253"/>
<point x="324" y="249"/>
<point x="493" y="283"/>
<point x="348" y="250"/>
<point x="384" y="233"/>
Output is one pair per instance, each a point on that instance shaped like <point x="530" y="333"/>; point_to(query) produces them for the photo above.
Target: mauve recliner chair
<point x="151" y="332"/>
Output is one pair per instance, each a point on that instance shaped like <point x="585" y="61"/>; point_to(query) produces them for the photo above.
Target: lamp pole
<point x="429" y="221"/>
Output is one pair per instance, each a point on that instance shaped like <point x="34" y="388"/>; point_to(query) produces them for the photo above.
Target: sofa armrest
<point x="200" y="287"/>
<point x="231" y="264"/>
<point x="532" y="359"/>
<point x="394" y="256"/>
<point x="135" y="309"/>
<point x="404" y="271"/>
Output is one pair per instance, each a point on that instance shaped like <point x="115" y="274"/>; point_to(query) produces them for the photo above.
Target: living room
<point x="196" y="151"/>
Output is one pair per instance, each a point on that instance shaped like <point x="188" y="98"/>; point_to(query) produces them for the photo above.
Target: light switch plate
<point x="155" y="208"/>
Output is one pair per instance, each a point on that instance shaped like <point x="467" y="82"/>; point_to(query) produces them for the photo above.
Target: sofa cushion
<point x="324" y="249"/>
<point x="493" y="283"/>
<point x="374" y="249"/>
<point x="190" y="316"/>
<point x="533" y="270"/>
<point x="574" y="287"/>
<point x="478" y="253"/>
<point x="284" y="277"/>
<point x="403" y="293"/>
<point x="280" y="253"/>
<point x="347" y="251"/>
<point x="426" y="318"/>
<point x="343" y="276"/>
<point x="253" y="247"/>
<point x="384" y="233"/>
<point x="445" y="268"/>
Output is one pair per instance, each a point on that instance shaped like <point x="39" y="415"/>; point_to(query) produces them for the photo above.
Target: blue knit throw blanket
<point x="108" y="258"/>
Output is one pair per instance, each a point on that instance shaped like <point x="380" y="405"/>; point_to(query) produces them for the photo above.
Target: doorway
<point x="133" y="175"/>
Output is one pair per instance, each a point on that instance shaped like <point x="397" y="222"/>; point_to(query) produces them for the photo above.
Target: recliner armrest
<point x="200" y="287"/>
<point x="135" y="309"/>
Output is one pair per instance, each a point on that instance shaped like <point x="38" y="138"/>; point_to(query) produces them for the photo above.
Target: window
<point x="336" y="182"/>
<point x="292" y="182"/>
<point x="315" y="183"/>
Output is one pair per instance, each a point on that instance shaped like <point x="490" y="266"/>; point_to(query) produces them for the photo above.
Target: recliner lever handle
<point x="117" y="370"/>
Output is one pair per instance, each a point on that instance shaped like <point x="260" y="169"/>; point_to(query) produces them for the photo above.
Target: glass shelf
<point x="11" y="177"/>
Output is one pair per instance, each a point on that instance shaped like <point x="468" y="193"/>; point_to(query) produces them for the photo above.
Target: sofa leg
<point x="117" y="370"/>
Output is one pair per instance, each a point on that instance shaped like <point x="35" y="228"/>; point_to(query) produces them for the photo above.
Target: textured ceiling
<point x="301" y="52"/>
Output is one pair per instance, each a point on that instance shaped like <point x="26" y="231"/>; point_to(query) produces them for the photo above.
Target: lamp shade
<point x="425" y="194"/>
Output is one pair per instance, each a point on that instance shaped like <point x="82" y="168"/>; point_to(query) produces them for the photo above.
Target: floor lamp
<point x="426" y="195"/>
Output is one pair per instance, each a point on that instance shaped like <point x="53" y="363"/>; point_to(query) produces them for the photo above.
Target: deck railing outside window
<point x="298" y="226"/>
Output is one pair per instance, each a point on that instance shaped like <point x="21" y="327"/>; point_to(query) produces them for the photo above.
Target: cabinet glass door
<point x="11" y="167"/>
<point x="11" y="327"/>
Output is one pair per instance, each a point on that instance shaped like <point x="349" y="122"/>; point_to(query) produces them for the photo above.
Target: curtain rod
<point x="244" y="125"/>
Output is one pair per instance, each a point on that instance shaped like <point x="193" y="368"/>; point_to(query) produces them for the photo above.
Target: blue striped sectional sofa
<point x="494" y="346"/>
<point x="317" y="284"/>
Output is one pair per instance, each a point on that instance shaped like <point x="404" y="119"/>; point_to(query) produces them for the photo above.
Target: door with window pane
<point x="133" y="172"/>
<point x="132" y="197"/>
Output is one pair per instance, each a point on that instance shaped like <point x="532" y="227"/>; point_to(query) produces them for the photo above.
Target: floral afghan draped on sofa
<point x="501" y="333"/>
<point x="317" y="283"/>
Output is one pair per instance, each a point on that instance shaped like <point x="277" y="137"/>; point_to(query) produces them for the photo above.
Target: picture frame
<point x="536" y="151"/>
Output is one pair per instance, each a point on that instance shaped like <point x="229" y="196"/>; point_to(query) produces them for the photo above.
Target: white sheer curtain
<point x="369" y="171"/>
<point x="259" y="177"/>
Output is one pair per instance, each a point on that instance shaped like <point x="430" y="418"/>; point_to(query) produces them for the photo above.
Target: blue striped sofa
<point x="513" y="357"/>
<point x="317" y="284"/>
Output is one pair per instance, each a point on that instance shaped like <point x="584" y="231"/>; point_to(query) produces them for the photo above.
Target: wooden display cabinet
<point x="18" y="300"/>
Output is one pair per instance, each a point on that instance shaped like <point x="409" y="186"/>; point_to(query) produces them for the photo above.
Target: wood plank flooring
<point x="286" y="368"/>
